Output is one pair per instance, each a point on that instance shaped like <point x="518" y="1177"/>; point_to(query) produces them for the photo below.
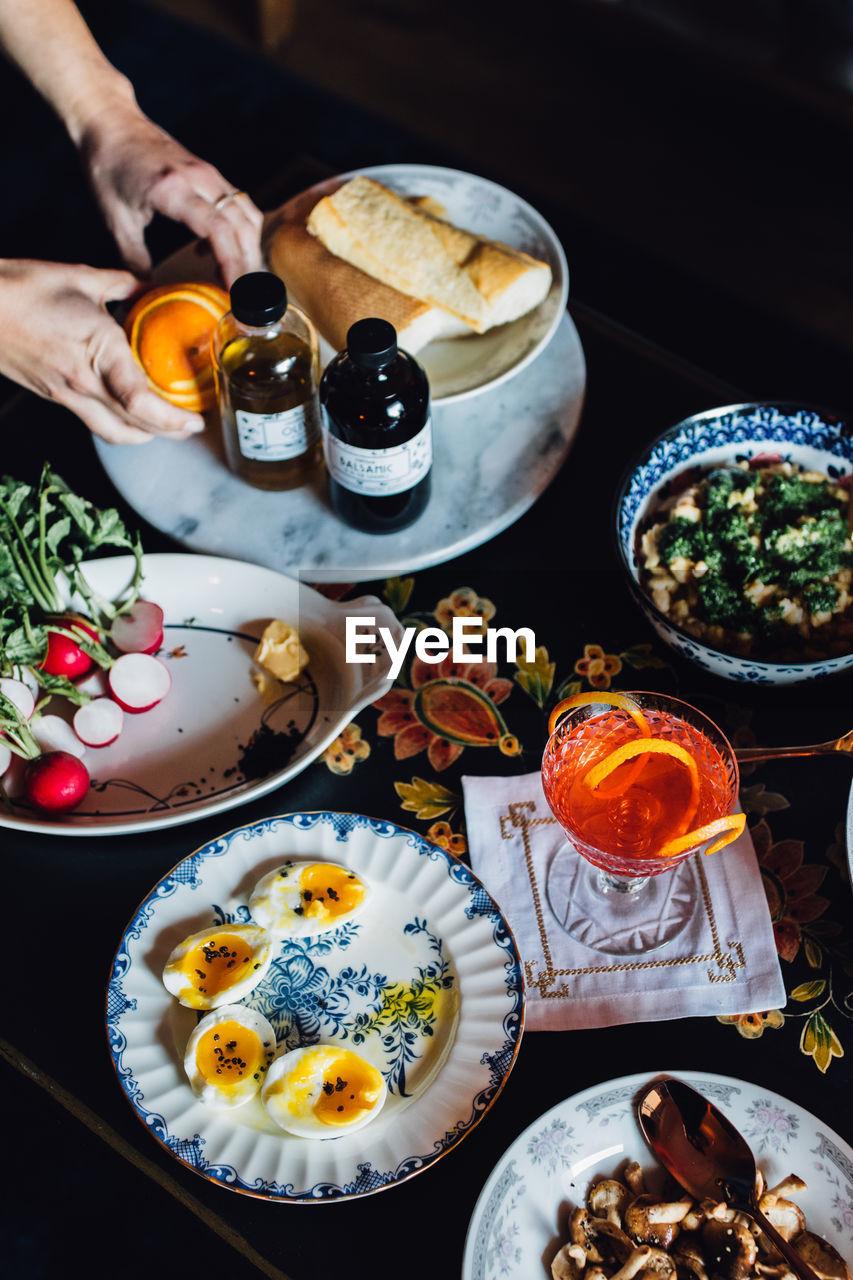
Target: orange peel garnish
<point x="624" y="703"/>
<point x="646" y="747"/>
<point x="620" y="700"/>
<point x="728" y="829"/>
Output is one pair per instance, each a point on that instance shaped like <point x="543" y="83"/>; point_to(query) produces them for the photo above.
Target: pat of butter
<point x="280" y="651"/>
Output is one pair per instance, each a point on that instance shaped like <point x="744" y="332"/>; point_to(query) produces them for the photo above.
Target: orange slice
<point x="646" y="747"/>
<point x="169" y="330"/>
<point x="624" y="703"/>
<point x="728" y="829"/>
<point x="620" y="700"/>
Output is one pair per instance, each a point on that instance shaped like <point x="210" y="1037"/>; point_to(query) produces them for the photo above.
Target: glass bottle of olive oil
<point x="266" y="361"/>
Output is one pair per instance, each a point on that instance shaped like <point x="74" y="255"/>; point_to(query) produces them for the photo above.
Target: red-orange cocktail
<point x="638" y="782"/>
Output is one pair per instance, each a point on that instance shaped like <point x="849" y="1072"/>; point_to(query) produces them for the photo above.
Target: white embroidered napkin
<point x="724" y="962"/>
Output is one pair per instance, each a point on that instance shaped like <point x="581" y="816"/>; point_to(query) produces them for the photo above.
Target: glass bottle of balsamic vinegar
<point x="377" y="435"/>
<point x="266" y="361"/>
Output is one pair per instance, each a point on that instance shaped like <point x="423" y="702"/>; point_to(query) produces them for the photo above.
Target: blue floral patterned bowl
<point x="806" y="437"/>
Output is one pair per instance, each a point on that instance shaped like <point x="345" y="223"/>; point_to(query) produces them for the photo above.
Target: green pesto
<point x="797" y="540"/>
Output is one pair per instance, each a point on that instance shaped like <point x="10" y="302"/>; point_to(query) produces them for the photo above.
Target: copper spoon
<point x="842" y="745"/>
<point x="706" y="1154"/>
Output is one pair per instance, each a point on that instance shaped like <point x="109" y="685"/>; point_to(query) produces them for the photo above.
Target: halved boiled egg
<point x="301" y="898"/>
<point x="227" y="1055"/>
<point x="323" y="1091"/>
<point x="218" y="965"/>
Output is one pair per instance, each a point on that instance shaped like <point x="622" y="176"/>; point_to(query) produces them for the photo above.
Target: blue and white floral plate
<point x="521" y="1216"/>
<point x="425" y="981"/>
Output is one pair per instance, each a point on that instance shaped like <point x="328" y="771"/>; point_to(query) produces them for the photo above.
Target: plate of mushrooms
<point x="579" y="1195"/>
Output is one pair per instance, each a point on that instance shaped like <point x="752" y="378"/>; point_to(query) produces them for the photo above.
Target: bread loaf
<point x="406" y="246"/>
<point x="407" y="265"/>
<point x="335" y="294"/>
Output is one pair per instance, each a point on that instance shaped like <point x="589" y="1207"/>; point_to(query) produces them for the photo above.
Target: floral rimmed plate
<point x="214" y="742"/>
<point x="520" y="1218"/>
<point x="425" y="981"/>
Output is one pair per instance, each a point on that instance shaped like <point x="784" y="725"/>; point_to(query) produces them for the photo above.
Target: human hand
<point x="137" y="169"/>
<point x="57" y="339"/>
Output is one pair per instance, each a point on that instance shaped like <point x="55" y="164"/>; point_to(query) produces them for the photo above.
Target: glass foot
<point x="620" y="918"/>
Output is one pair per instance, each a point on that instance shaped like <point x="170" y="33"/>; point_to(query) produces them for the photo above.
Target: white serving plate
<point x="520" y="1218"/>
<point x="187" y="757"/>
<point x="425" y="981"/>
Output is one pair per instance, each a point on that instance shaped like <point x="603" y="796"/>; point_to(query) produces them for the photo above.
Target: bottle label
<point x="275" y="437"/>
<point x="379" y="473"/>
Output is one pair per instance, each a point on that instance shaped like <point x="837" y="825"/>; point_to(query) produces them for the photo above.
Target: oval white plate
<point x="425" y="981"/>
<point x="190" y="756"/>
<point x="517" y="1224"/>
<point x="458" y="368"/>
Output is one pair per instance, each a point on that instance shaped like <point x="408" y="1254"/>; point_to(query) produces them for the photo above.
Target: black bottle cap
<point x="258" y="298"/>
<point x="372" y="343"/>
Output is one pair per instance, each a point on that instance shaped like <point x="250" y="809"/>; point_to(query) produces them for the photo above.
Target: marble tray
<point x="493" y="456"/>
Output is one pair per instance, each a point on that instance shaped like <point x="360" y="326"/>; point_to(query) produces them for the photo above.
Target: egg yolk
<point x="328" y="892"/>
<point x="229" y="1053"/>
<point x="350" y="1087"/>
<point x="215" y="965"/>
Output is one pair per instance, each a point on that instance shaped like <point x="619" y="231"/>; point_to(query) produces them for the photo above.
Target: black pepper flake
<point x="332" y="894"/>
<point x="340" y="1085"/>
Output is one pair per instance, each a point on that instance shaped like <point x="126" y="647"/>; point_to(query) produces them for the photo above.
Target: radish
<point x="55" y="782"/>
<point x="52" y="733"/>
<point x="19" y="695"/>
<point x="5" y="758"/>
<point x="140" y="630"/>
<point x="64" y="656"/>
<point x="13" y="777"/>
<point x="139" y="681"/>
<point x="99" y="722"/>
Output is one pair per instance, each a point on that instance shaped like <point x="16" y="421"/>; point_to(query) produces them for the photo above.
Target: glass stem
<point x="620" y="884"/>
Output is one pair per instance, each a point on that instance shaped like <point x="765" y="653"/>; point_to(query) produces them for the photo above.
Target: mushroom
<point x="789" y="1186"/>
<point x="568" y="1263"/>
<point x="822" y="1257"/>
<point x="633" y="1264"/>
<point x="730" y="1248"/>
<point x="651" y="1221"/>
<point x="607" y="1199"/>
<point x="633" y="1175"/>
<point x="581" y="1233"/>
<point x="610" y="1241"/>
<point x="647" y="1263"/>
<point x="787" y="1217"/>
<point x="688" y="1257"/>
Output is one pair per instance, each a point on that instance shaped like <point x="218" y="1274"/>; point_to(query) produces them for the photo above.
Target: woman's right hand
<point x="58" y="339"/>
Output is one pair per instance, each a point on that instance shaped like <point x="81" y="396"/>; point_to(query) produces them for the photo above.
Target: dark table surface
<point x="88" y="1184"/>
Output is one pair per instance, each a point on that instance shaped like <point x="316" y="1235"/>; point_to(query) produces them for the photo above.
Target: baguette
<point x="335" y="294"/>
<point x="374" y="229"/>
<point x="407" y="245"/>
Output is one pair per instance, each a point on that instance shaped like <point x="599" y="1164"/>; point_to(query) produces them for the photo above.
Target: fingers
<point x="102" y="422"/>
<point x="127" y="406"/>
<point x="128" y="229"/>
<point x="232" y="225"/>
